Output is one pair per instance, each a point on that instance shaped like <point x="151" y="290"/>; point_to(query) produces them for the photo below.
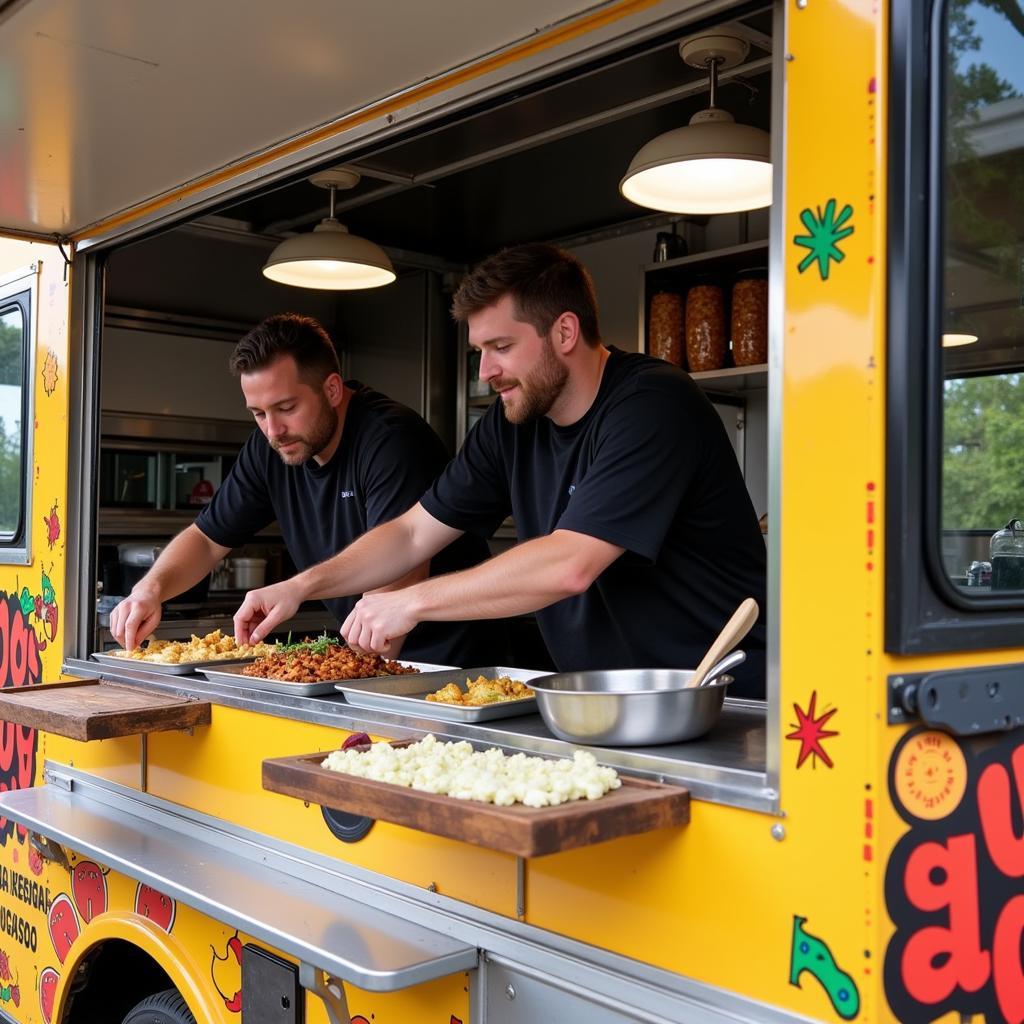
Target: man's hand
<point x="135" y="618"/>
<point x="379" y="622"/>
<point x="265" y="609"/>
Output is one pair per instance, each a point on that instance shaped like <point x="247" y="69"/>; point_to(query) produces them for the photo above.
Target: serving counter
<point x="727" y="766"/>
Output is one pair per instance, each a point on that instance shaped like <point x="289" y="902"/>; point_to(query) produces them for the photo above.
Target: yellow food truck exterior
<point x="868" y="868"/>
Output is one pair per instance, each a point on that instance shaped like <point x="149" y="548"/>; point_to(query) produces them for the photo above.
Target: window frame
<point x="925" y="612"/>
<point x="20" y="289"/>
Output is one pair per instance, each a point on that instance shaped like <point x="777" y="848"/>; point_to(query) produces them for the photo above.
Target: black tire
<point x="161" y="1008"/>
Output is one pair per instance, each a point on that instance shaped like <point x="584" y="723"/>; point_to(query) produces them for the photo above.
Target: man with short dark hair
<point x="637" y="536"/>
<point x="331" y="460"/>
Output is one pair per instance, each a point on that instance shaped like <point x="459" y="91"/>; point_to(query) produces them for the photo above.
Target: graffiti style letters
<point x="1006" y="947"/>
<point x="953" y="889"/>
<point x="994" y="799"/>
<point x="957" y="949"/>
<point x="20" y="665"/>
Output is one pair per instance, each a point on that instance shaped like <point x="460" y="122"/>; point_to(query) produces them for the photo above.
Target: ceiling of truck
<point x="544" y="163"/>
<point x="106" y="104"/>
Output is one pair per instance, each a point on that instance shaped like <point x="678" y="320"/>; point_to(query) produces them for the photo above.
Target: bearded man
<point x="331" y="459"/>
<point x="637" y="537"/>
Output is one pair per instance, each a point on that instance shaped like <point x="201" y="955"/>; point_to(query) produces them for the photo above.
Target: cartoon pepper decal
<point x="226" y="972"/>
<point x="89" y="887"/>
<point x="47" y="991"/>
<point x="63" y="925"/>
<point x="160" y="909"/>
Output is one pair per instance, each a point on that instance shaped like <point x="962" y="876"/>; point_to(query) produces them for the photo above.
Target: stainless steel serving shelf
<point x="728" y="766"/>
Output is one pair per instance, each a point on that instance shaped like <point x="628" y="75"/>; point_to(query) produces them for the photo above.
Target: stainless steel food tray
<point x="407" y="694"/>
<point x="234" y="675"/>
<point x="183" y="669"/>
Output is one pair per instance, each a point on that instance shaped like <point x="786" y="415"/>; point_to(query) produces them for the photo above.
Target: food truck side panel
<point x="32" y="597"/>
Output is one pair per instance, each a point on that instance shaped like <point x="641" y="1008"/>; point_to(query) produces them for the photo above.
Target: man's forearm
<point x="530" y="576"/>
<point x="382" y="557"/>
<point x="182" y="564"/>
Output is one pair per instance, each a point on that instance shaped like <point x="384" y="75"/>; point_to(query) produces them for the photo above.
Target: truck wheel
<point x="161" y="1008"/>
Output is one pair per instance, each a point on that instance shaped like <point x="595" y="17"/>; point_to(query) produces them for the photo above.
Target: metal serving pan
<point x="629" y="707"/>
<point x="407" y="694"/>
<point x="183" y="669"/>
<point x="233" y="674"/>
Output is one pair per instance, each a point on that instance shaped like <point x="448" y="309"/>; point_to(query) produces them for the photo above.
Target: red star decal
<point x="810" y="731"/>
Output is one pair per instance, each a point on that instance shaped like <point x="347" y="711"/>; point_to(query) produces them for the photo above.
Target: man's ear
<point x="566" y="333"/>
<point x="334" y="388"/>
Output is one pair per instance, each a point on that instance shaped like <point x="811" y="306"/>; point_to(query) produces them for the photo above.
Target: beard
<point x="305" y="446"/>
<point x="538" y="390"/>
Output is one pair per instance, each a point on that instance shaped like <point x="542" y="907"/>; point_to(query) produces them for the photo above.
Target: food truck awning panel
<point x="107" y="105"/>
<point x="370" y="948"/>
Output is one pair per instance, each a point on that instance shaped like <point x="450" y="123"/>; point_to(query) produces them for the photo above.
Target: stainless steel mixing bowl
<point x="628" y="707"/>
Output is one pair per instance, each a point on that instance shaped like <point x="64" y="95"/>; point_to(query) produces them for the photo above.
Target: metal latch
<point x="964" y="702"/>
<point x="58" y="779"/>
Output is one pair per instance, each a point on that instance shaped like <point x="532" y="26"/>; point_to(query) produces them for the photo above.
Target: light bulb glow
<point x="328" y="274"/>
<point x="702" y="185"/>
<point x="956" y="340"/>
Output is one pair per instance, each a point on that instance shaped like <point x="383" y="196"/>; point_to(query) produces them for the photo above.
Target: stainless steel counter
<point x="727" y="766"/>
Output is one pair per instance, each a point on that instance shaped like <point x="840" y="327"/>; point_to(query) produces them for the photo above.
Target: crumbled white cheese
<point x="488" y="776"/>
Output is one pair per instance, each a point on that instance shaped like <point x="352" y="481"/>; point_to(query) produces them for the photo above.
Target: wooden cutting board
<point x="638" y="806"/>
<point x="90" y="709"/>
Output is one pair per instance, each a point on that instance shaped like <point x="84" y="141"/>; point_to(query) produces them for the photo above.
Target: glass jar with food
<point x="665" y="328"/>
<point x="750" y="318"/>
<point x="1007" y="551"/>
<point x="705" y="327"/>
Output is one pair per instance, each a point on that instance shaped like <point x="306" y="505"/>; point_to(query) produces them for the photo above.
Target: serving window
<point x="16" y="415"/>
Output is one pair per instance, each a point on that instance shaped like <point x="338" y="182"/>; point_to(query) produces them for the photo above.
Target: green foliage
<point x="10" y="478"/>
<point x="11" y="355"/>
<point x="983" y="456"/>
<point x="983" y="439"/>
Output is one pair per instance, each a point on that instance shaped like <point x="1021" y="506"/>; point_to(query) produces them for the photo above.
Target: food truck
<point x="851" y="847"/>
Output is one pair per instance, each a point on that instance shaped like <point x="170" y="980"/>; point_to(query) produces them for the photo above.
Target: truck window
<point x="980" y="203"/>
<point x="15" y="422"/>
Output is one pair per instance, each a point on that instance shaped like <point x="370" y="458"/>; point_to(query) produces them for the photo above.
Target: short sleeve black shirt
<point x="648" y="468"/>
<point x="386" y="458"/>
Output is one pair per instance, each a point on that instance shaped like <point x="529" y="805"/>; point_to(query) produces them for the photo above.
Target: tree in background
<point x="983" y="441"/>
<point x="11" y="376"/>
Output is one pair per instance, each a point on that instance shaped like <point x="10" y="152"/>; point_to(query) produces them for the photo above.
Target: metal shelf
<point x="734" y="378"/>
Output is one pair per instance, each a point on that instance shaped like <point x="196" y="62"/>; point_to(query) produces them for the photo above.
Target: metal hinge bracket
<point x="330" y="990"/>
<point x="964" y="702"/>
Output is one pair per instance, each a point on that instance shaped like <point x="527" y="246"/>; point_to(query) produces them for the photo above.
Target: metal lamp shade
<point x="329" y="258"/>
<point x="713" y="165"/>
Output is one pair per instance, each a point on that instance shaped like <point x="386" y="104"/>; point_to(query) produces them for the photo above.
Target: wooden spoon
<point x="732" y="633"/>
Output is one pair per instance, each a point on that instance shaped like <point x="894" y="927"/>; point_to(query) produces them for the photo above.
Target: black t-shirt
<point x="386" y="457"/>
<point x="649" y="468"/>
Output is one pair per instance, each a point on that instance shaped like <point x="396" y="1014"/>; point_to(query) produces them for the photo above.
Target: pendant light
<point x="713" y="165"/>
<point x="329" y="257"/>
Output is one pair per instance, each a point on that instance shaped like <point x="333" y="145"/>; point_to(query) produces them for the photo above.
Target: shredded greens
<point x="318" y="646"/>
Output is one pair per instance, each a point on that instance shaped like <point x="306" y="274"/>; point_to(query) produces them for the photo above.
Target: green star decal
<point x="826" y="232"/>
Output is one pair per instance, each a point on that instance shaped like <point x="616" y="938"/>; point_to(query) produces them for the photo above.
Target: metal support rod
<point x="332" y="202"/>
<point x="713" y="63"/>
<point x="330" y="990"/>
<point x="144" y="762"/>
